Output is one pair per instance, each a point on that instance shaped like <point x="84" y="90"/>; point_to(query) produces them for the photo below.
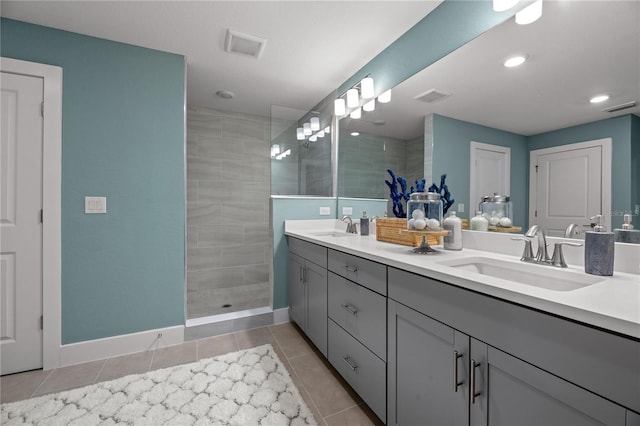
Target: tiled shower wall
<point x="228" y="242"/>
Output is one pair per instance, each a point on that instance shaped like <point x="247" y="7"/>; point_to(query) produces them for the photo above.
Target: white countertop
<point x="612" y="303"/>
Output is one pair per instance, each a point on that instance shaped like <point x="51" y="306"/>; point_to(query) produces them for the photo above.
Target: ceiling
<point x="312" y="46"/>
<point x="577" y="49"/>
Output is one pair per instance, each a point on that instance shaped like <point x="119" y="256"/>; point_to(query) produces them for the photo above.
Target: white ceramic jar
<point x="453" y="224"/>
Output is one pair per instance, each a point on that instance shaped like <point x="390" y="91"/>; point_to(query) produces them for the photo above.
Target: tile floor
<point x="332" y="400"/>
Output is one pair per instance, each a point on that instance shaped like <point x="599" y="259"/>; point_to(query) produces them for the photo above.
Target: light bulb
<point x="327" y="129"/>
<point x="385" y="97"/>
<point x="502" y="5"/>
<point x="352" y="98"/>
<point x="339" y="107"/>
<point x="315" y="123"/>
<point x="514" y="61"/>
<point x="356" y="113"/>
<point x="307" y="129"/>
<point x="300" y="133"/>
<point x="275" y="148"/>
<point x="369" y="106"/>
<point x="320" y="134"/>
<point x="530" y="13"/>
<point x="313" y="138"/>
<point x="366" y="88"/>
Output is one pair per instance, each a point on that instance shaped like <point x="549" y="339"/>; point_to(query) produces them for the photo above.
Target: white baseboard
<point x="281" y="315"/>
<point x="76" y="353"/>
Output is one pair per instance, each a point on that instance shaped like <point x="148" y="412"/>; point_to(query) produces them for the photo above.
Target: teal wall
<point x="635" y="167"/>
<point x="451" y="155"/>
<point x="619" y="129"/>
<point x="123" y="138"/>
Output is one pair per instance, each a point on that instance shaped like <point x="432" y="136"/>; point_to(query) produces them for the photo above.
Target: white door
<point x="570" y="184"/>
<point x="490" y="172"/>
<point x="20" y="223"/>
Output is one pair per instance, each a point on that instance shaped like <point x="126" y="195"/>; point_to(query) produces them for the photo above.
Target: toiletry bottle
<point x="627" y="234"/>
<point x="453" y="224"/>
<point x="598" y="249"/>
<point x="364" y="224"/>
<point x="479" y="222"/>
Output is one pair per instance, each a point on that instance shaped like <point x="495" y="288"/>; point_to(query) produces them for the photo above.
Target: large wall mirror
<point x="576" y="50"/>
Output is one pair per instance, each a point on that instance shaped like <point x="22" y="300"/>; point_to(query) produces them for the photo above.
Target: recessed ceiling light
<point x="355" y="133"/>
<point x="514" y="61"/>
<point x="598" y="99"/>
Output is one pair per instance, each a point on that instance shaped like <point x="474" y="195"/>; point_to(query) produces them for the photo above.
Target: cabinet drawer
<point x="365" y="372"/>
<point x="359" y="311"/>
<point x="362" y="271"/>
<point x="309" y="251"/>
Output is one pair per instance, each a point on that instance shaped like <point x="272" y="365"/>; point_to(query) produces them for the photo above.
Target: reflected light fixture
<point x="598" y="99"/>
<point x="300" y="133"/>
<point x="320" y="134"/>
<point x="514" y="61"/>
<point x="530" y="13"/>
<point x="327" y="129"/>
<point x="315" y="123"/>
<point x="339" y="107"/>
<point x="355" y="133"/>
<point x="369" y="106"/>
<point x="502" y="5"/>
<point x="352" y="98"/>
<point x="307" y="129"/>
<point x="356" y="113"/>
<point x="366" y="88"/>
<point x="313" y="138"/>
<point x="275" y="150"/>
<point x="385" y="97"/>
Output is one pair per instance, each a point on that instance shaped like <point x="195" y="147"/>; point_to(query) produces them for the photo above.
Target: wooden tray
<point x="513" y="229"/>
<point x="394" y="230"/>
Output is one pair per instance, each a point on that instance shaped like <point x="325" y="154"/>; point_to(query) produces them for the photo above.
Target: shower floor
<point x="202" y="303"/>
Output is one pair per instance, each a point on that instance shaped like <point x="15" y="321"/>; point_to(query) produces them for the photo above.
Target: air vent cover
<point x="620" y="107"/>
<point x="244" y="44"/>
<point x="431" y="96"/>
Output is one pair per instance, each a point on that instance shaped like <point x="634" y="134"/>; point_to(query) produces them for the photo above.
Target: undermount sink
<point x="540" y="276"/>
<point x="332" y="234"/>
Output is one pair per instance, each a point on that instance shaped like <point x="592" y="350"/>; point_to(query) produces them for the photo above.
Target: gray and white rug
<point x="248" y="387"/>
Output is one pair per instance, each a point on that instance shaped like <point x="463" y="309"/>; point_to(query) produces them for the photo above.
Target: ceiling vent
<point x="620" y="107"/>
<point x="244" y="44"/>
<point x="431" y="96"/>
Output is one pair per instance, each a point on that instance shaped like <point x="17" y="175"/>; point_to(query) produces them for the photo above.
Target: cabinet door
<point x="424" y="358"/>
<point x="316" y="320"/>
<point x="512" y="392"/>
<point x="296" y="290"/>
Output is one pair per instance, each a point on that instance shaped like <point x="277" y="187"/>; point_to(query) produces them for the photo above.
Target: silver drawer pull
<point x="350" y="268"/>
<point x="351" y="309"/>
<point x="474" y="393"/>
<point x="456" y="381"/>
<point x="350" y="363"/>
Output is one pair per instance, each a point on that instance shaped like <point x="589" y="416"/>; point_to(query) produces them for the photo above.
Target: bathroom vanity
<point x="469" y="337"/>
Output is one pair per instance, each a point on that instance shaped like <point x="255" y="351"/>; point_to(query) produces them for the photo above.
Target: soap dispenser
<point x="598" y="249"/>
<point x="627" y="234"/>
<point x="364" y="223"/>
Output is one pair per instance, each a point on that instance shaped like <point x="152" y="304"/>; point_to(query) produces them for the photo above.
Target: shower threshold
<point x="211" y="319"/>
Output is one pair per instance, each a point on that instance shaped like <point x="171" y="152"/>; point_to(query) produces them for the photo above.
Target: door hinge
<point x="42" y="109"/>
<point x="41" y="216"/>
<point x="536" y="168"/>
<point x="41" y="322"/>
<point x="535" y="213"/>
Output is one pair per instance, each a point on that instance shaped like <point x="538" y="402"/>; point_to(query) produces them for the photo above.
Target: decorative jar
<point x="424" y="212"/>
<point x="497" y="209"/>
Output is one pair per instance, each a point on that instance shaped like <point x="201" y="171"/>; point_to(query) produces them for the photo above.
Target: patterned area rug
<point x="248" y="387"/>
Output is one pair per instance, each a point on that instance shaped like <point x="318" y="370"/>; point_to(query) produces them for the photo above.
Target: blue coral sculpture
<point x="445" y="195"/>
<point x="396" y="195"/>
<point x="419" y="185"/>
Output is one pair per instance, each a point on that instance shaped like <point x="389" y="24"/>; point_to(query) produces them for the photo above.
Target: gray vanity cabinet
<point x="511" y="392"/>
<point x="425" y="358"/>
<point x="308" y="290"/>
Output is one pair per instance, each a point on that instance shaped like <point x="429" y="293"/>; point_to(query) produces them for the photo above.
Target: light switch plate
<point x="325" y="211"/>
<point x="347" y="210"/>
<point x="95" y="205"/>
<point x="460" y="208"/>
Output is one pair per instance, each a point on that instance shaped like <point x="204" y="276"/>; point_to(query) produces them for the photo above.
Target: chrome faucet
<point x="351" y="227"/>
<point x="542" y="256"/>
